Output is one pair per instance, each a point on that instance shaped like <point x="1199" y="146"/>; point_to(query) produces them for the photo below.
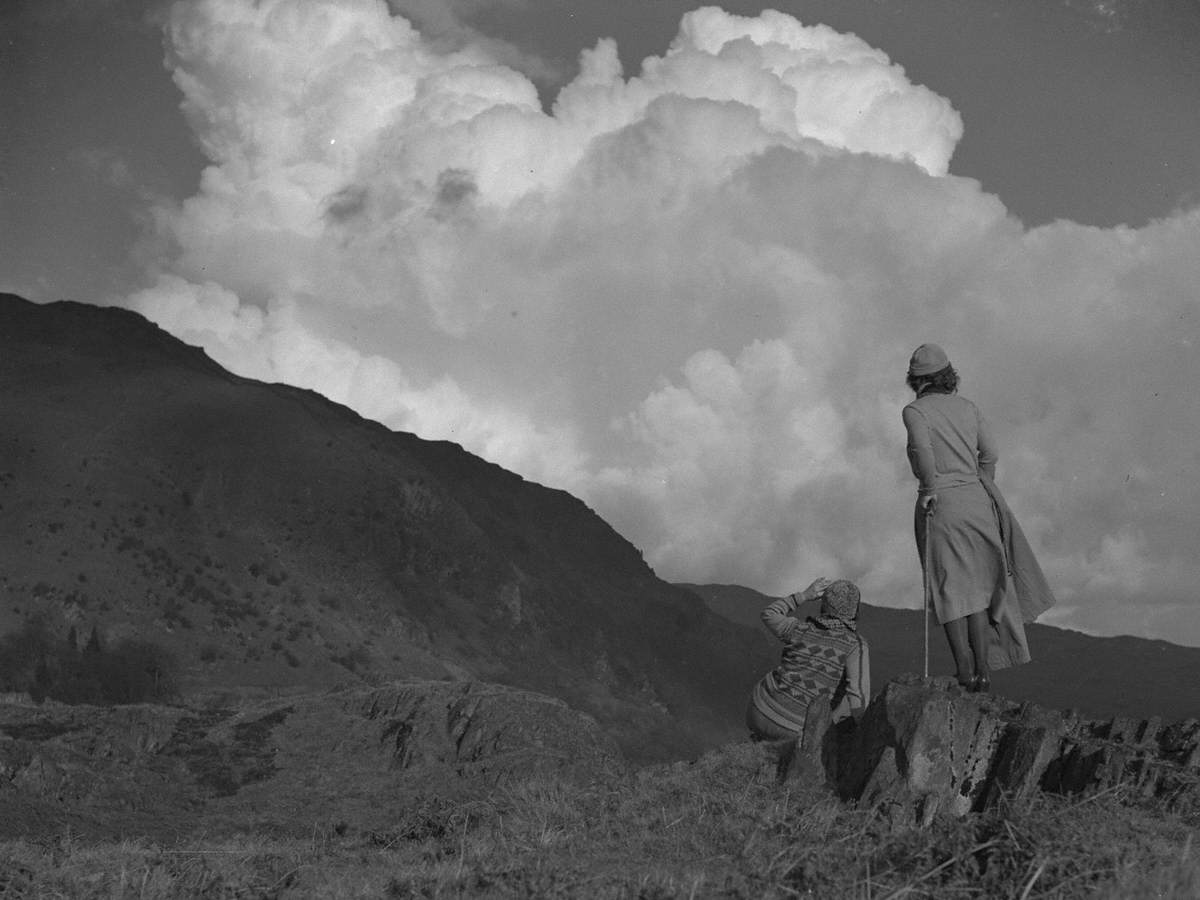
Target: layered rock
<point x="925" y="748"/>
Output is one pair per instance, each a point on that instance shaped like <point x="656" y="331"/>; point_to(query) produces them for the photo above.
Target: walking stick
<point x="925" y="580"/>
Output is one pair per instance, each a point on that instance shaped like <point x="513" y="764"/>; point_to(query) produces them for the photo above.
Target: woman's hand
<point x="928" y="502"/>
<point x="816" y="589"/>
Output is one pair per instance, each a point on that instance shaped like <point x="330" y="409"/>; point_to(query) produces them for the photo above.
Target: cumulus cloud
<point x="446" y="25"/>
<point x="687" y="295"/>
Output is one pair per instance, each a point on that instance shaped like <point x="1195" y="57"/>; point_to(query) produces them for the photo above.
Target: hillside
<point x="367" y="756"/>
<point x="1099" y="676"/>
<point x="272" y="541"/>
<point x="369" y="793"/>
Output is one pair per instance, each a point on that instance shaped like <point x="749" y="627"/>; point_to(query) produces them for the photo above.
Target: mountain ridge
<point x="275" y="541"/>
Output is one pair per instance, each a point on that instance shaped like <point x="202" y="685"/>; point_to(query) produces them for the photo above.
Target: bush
<point x="33" y="659"/>
<point x="353" y="659"/>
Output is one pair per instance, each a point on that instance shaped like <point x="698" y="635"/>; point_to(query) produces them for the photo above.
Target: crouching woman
<point x="824" y="660"/>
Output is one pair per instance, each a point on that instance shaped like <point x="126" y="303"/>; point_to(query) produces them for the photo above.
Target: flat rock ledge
<point x="925" y="748"/>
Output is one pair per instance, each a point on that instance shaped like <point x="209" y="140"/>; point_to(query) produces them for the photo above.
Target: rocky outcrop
<point x="925" y="748"/>
<point x="364" y="755"/>
<point x="475" y="729"/>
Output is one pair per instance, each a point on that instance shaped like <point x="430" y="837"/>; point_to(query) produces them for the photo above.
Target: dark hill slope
<point x="1099" y="676"/>
<point x="272" y="539"/>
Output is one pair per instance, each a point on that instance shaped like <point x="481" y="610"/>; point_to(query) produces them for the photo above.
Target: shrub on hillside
<point x="34" y="660"/>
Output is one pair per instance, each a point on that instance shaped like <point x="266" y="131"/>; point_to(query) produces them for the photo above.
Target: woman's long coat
<point x="977" y="557"/>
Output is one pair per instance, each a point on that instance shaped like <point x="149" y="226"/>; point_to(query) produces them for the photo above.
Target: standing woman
<point x="983" y="580"/>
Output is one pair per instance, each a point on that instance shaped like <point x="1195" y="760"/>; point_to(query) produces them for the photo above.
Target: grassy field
<point x="717" y="827"/>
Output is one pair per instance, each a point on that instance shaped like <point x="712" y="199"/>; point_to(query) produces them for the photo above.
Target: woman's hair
<point x="943" y="381"/>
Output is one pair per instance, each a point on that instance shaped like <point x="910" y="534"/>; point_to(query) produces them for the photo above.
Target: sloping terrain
<point x="1101" y="677"/>
<point x="364" y="758"/>
<point x="273" y="541"/>
<point x="410" y="790"/>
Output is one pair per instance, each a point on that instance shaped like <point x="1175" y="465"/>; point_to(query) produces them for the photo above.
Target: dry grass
<point x="719" y="827"/>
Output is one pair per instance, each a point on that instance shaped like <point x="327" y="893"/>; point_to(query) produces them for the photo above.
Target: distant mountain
<point x="1099" y="676"/>
<point x="274" y="541"/>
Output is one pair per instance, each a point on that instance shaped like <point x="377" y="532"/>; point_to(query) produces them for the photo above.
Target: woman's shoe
<point x="980" y="684"/>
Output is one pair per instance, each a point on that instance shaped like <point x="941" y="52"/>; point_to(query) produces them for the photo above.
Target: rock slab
<point x="924" y="748"/>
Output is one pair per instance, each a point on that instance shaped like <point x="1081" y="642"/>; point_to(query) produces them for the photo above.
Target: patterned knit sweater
<point x="821" y="655"/>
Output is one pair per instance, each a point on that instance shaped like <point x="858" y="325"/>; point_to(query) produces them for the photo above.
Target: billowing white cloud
<point x="687" y="295"/>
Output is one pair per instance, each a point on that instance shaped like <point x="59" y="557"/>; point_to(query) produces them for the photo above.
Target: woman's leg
<point x="763" y="729"/>
<point x="977" y="635"/>
<point x="960" y="647"/>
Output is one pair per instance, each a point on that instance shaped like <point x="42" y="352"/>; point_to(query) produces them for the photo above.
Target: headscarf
<point x="840" y="601"/>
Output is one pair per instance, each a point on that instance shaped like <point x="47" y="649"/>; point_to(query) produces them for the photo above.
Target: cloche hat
<point x="927" y="359"/>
